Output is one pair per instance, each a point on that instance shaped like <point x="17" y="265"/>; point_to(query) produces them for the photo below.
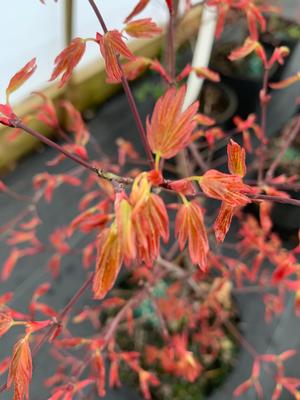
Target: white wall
<point x="30" y="29"/>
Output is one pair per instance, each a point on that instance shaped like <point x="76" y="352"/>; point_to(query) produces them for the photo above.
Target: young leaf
<point x="202" y="119"/>
<point x="206" y="73"/>
<point x="20" y="77"/>
<point x="67" y="60"/>
<point x="10" y="264"/>
<point x="20" y="369"/>
<point x="150" y="220"/>
<point x="111" y="45"/>
<point x="236" y="159"/>
<point x="155" y="65"/>
<point x="247" y="48"/>
<point x="137" y="9"/>
<point x="108" y="263"/>
<point x="6" y="322"/>
<point x="146" y="379"/>
<point x="7" y="115"/>
<point x="170" y="128"/>
<point x="286" y="82"/>
<point x="46" y="112"/>
<point x="189" y="226"/>
<point x="223" y="221"/>
<point x="126" y="232"/>
<point x="226" y="187"/>
<point x="142" y="28"/>
<point x="4" y="364"/>
<point x="135" y="67"/>
<point x="170" y="5"/>
<point x="75" y="123"/>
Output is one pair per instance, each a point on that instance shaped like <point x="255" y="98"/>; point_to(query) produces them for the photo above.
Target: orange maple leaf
<point x="189" y="226"/>
<point x="125" y="226"/>
<point x="202" y="119"/>
<point x="6" y="322"/>
<point x="236" y="159"/>
<point x="185" y="363"/>
<point x="20" y="77"/>
<point x="206" y="73"/>
<point x="254" y="18"/>
<point x="183" y="186"/>
<point x="109" y="261"/>
<point x="10" y="263"/>
<point x="150" y="223"/>
<point x="46" y="112"/>
<point x="223" y="221"/>
<point x="7" y="115"/>
<point x="156" y="66"/>
<point x="142" y="28"/>
<point x="67" y="60"/>
<point x="170" y="128"/>
<point x="237" y="168"/>
<point x="111" y="45"/>
<point x="248" y="47"/>
<point x="146" y="379"/>
<point x="75" y="123"/>
<point x="98" y="365"/>
<point x="150" y="220"/>
<point x="142" y="220"/>
<point x="20" y="369"/>
<point x="136" y="67"/>
<point x="225" y="187"/>
<point x="279" y="54"/>
<point x="286" y="82"/>
<point x="137" y="9"/>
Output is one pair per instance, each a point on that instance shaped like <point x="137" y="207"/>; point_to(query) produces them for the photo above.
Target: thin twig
<point x="264" y="105"/>
<point x="128" y="92"/>
<point x="127" y="181"/>
<point x="19" y="124"/>
<point x="63" y="314"/>
<point x="275" y="199"/>
<point x="286" y="142"/>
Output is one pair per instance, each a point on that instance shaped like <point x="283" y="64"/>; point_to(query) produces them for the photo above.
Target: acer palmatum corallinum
<point x="127" y="218"/>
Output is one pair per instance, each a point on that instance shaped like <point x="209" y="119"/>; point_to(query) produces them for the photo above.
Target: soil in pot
<point x="214" y="367"/>
<point x="173" y="387"/>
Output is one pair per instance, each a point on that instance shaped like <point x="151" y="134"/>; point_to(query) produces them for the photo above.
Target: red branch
<point x="128" y="92"/>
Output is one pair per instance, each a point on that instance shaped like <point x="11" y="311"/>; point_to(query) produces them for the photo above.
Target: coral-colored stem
<point x="264" y="106"/>
<point x="275" y="199"/>
<point x="129" y="95"/>
<point x="286" y="141"/>
<point x="98" y="15"/>
<point x="76" y="296"/>
<point x="49" y="142"/>
<point x="171" y="46"/>
<point x="63" y="314"/>
<point x="112" y="177"/>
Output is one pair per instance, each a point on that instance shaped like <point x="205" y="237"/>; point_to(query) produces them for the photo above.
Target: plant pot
<point x="285" y="217"/>
<point x="244" y="76"/>
<point x="281" y="32"/>
<point x="172" y="386"/>
<point x="219" y="102"/>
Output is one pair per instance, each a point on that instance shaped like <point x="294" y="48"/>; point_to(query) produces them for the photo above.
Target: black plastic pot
<point x="218" y="101"/>
<point x="281" y="31"/>
<point x="244" y="76"/>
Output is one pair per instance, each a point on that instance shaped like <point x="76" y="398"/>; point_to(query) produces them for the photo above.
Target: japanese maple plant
<point x="126" y="216"/>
